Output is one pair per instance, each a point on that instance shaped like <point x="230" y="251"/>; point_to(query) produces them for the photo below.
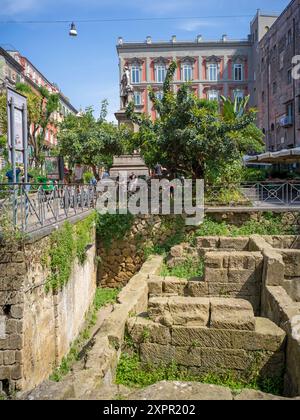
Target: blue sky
<point x="86" y="67"/>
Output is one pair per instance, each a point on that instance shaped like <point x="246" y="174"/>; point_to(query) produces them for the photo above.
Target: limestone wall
<point x="39" y="325"/>
<point x="124" y="258"/>
<point x="102" y="358"/>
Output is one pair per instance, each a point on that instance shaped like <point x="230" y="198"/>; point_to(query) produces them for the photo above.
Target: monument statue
<point x="126" y="87"/>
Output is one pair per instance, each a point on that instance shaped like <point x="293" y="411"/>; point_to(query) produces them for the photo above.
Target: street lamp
<point x="73" y="30"/>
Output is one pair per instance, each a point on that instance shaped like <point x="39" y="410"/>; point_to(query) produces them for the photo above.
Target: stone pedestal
<point x="122" y="119"/>
<point x="129" y="163"/>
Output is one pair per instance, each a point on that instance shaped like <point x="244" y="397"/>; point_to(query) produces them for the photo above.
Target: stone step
<point x="218" y="313"/>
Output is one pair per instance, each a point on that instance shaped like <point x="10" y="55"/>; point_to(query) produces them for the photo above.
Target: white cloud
<point x="196" y="24"/>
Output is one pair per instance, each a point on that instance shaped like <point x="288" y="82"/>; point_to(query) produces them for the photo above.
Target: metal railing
<point x="259" y="194"/>
<point x="31" y="207"/>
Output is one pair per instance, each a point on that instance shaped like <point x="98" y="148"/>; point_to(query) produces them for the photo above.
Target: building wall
<point x="198" y="55"/>
<point x="276" y="89"/>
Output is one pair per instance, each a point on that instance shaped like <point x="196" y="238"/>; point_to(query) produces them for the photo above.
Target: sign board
<point x="54" y="167"/>
<point x="17" y="128"/>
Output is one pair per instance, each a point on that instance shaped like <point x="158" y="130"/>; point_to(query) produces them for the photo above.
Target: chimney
<point x="120" y="40"/>
<point x="199" y="38"/>
<point x="149" y="40"/>
<point x="173" y="40"/>
<point x="224" y="38"/>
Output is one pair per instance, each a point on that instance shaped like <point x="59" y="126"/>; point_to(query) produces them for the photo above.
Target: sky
<point x="86" y="68"/>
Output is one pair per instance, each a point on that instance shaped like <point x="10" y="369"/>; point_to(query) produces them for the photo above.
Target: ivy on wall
<point x="66" y="244"/>
<point x="113" y="227"/>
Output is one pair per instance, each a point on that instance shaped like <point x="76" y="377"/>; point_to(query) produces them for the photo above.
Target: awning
<point x="283" y="156"/>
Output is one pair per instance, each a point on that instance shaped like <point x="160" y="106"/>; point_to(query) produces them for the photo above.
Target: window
<point x="135" y="74"/>
<point x="263" y="97"/>
<point x="187" y="72"/>
<point x="289" y="37"/>
<point x="274" y="88"/>
<point x="138" y="99"/>
<point x="213" y="95"/>
<point x="289" y="77"/>
<point x="160" y="73"/>
<point x="238" y="72"/>
<point x="290" y="111"/>
<point x="239" y="95"/>
<point x="213" y="72"/>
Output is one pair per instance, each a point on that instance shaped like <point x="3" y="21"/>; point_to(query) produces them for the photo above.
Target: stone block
<point x="5" y="372"/>
<point x="201" y="337"/>
<point x="174" y="285"/>
<point x="214" y="260"/>
<point x="9" y="357"/>
<point x="291" y="259"/>
<point x="144" y="330"/>
<point x="157" y="354"/>
<point x="197" y="289"/>
<point x="274" y="268"/>
<point x="237" y="243"/>
<point x="242" y="276"/>
<point x="240" y="261"/>
<point x="234" y="314"/>
<point x="233" y="289"/>
<point x="266" y="337"/>
<point x="208" y="242"/>
<point x="155" y="285"/>
<point x="216" y="275"/>
<point x="16" y="341"/>
<point x="188" y="356"/>
<point x="225" y="359"/>
<point x="179" y="311"/>
<point x="17" y="372"/>
<point x="189" y="311"/>
<point x="258" y="243"/>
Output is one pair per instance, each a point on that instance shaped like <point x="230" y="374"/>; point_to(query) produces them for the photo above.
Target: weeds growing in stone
<point x="188" y="269"/>
<point x="268" y="224"/>
<point x="132" y="373"/>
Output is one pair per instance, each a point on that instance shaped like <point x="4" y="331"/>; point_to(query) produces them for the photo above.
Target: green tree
<point x="190" y="135"/>
<point x="40" y="112"/>
<point x="87" y="141"/>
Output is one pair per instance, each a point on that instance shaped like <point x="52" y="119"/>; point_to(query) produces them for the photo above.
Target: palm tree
<point x="234" y="109"/>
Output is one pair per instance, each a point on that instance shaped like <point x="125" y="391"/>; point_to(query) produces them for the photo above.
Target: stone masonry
<point x="208" y="335"/>
<point x="38" y="327"/>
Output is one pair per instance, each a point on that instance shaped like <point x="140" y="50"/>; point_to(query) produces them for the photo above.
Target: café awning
<point x="283" y="156"/>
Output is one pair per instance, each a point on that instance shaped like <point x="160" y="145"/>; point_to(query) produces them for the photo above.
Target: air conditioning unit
<point x="286" y="121"/>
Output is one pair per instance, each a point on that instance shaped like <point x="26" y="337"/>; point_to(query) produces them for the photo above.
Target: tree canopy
<point x="88" y="141"/>
<point x="191" y="136"/>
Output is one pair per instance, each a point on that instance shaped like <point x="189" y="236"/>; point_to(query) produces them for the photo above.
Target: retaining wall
<point x="38" y="326"/>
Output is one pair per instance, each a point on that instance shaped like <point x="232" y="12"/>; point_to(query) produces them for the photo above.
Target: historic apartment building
<point x="278" y="93"/>
<point x="15" y="68"/>
<point x="233" y="68"/>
